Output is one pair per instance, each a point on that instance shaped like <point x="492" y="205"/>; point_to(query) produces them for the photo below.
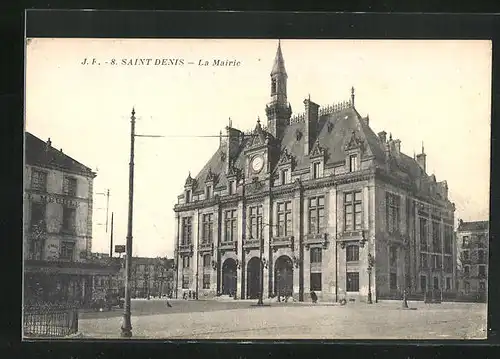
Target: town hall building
<point x="314" y="201"/>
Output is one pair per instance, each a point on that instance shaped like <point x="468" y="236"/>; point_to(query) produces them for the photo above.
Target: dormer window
<point x="316" y="170"/>
<point x="188" y="196"/>
<point x="285" y="176"/>
<point x="209" y="192"/>
<point x="231" y="187"/>
<point x="353" y="163"/>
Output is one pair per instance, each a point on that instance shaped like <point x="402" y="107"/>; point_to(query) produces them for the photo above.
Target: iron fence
<point x="50" y="321"/>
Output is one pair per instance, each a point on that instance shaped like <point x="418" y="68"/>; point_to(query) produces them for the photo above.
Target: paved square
<point x="241" y="320"/>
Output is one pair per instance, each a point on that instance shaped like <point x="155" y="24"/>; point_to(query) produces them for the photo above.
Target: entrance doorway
<point x="253" y="278"/>
<point x="283" y="276"/>
<point x="423" y="283"/>
<point x="229" y="278"/>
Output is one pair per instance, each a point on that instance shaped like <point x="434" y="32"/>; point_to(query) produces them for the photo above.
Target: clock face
<point x="257" y="163"/>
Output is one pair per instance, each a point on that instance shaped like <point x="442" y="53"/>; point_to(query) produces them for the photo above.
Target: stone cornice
<point x="44" y="166"/>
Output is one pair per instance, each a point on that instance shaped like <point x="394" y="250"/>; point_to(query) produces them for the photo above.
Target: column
<point x="239" y="251"/>
<point x="329" y="259"/>
<point x="267" y="218"/>
<point x="177" y="254"/>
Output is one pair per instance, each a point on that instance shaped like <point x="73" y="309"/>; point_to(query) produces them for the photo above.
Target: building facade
<point x="58" y="226"/>
<point x="473" y="245"/>
<point x="314" y="201"/>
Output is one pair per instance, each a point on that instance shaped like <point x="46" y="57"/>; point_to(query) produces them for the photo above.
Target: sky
<point x="435" y="92"/>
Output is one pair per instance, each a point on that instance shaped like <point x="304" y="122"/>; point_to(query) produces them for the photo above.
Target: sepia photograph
<point x="248" y="189"/>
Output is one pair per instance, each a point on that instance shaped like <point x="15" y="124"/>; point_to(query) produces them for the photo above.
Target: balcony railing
<point x="287" y="241"/>
<point x="206" y="247"/>
<point x="251" y="243"/>
<point x="186" y="248"/>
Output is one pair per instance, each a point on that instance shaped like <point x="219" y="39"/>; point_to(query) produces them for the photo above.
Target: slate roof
<point x="38" y="153"/>
<point x="334" y="129"/>
<point x="473" y="226"/>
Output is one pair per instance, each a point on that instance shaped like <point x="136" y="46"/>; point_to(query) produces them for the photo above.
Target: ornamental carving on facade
<point x="317" y="150"/>
<point x="286" y="157"/>
<point x="354" y="142"/>
<point x="210" y="176"/>
<point x="189" y="181"/>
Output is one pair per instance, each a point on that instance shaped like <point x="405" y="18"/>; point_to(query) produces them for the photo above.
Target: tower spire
<point x="279" y="62"/>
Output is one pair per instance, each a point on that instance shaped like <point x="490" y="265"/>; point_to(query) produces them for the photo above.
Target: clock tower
<point x="278" y="110"/>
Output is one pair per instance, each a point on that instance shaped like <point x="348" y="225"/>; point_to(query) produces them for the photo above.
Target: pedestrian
<point x="314" y="297"/>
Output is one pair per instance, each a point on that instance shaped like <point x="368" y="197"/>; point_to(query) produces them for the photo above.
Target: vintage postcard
<point x="256" y="189"/>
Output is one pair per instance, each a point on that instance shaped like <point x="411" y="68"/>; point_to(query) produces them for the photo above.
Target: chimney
<point x="397" y="145"/>
<point x="311" y="124"/>
<point x="383" y="136"/>
<point x="421" y="159"/>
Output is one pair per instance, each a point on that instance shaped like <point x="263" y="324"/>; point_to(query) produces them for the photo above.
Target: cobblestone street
<point x="241" y="320"/>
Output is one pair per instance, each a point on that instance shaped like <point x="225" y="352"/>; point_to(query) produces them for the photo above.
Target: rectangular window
<point x="69" y="186"/>
<point x="284" y="228"/>
<point x="480" y="256"/>
<point x="185" y="281"/>
<point x="207" y="260"/>
<point x="448" y="240"/>
<point x="230" y="226"/>
<point x="39" y="180"/>
<point x="448" y="283"/>
<point x="38" y="214"/>
<point x="186" y="230"/>
<point x="67" y="249"/>
<point x="284" y="177"/>
<point x="393" y="281"/>
<point x="465" y="241"/>
<point x="448" y="264"/>
<point x="353" y="163"/>
<point x="69" y="219"/>
<point x="424" y="260"/>
<point x="352" y="253"/>
<point x="316" y="215"/>
<point x="353" y="281"/>
<point x="467" y="269"/>
<point x="481" y="241"/>
<point x="230" y="187"/>
<point x="436" y="239"/>
<point x="315" y="281"/>
<point x="185" y="262"/>
<point x="393" y="253"/>
<point x="206" y="281"/>
<point x="424" y="234"/>
<point x="209" y="192"/>
<point x="255" y="219"/>
<point x="482" y="271"/>
<point x="316" y="173"/>
<point x="188" y="196"/>
<point x="392" y="212"/>
<point x="316" y="255"/>
<point x="352" y="211"/>
<point x="207" y="228"/>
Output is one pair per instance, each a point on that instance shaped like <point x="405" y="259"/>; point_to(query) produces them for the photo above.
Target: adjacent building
<point x="57" y="225"/>
<point x="473" y="244"/>
<point x="313" y="201"/>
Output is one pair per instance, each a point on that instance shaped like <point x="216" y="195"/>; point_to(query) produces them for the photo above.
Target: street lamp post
<point x="371" y="262"/>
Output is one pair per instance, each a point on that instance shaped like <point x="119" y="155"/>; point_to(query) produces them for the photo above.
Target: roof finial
<point x="258" y="120"/>
<point x="230" y="122"/>
<point x="352" y="96"/>
<point x="423" y="147"/>
<point x="133" y="111"/>
<point x="309" y="96"/>
<point x="390" y="136"/>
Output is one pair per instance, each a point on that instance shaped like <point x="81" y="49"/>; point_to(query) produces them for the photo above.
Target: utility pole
<point x="111" y="238"/>
<point x="107" y="209"/>
<point x="126" y="329"/>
